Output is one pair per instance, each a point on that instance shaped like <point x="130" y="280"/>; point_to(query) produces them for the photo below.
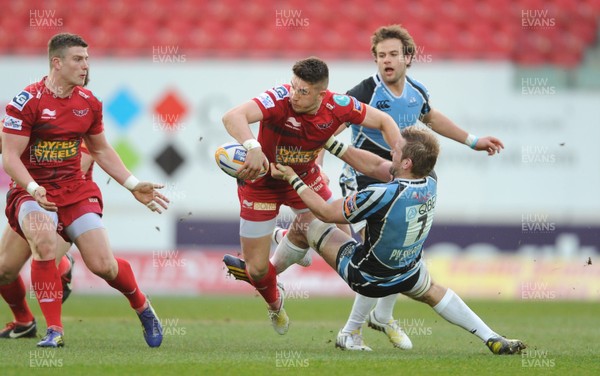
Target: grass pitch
<point x="231" y="335"/>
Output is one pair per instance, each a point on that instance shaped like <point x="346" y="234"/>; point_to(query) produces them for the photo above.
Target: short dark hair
<point x="60" y="42"/>
<point x="312" y="70"/>
<point x="422" y="147"/>
<point x="394" y="32"/>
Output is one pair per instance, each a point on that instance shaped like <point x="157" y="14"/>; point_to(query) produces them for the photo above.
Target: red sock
<point x="45" y="281"/>
<point x="14" y="294"/>
<point x="267" y="286"/>
<point x="63" y="266"/>
<point x="125" y="282"/>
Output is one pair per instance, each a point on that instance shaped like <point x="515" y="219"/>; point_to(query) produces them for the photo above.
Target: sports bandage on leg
<point x="287" y="254"/>
<point x="336" y="147"/>
<point x="318" y="234"/>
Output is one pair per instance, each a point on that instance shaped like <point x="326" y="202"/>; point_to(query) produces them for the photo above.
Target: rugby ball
<point x="230" y="157"/>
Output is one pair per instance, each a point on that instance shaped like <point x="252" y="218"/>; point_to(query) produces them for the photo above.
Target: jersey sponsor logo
<point x="83" y="94"/>
<point x="13" y="123"/>
<point x="329" y="106"/>
<point x="81" y="113"/>
<point x="412" y="101"/>
<point x="48" y="114"/>
<point x="291" y="122"/>
<point x="428" y="206"/>
<point x="52" y="151"/>
<point x="264" y="206"/>
<point x="20" y="100"/>
<point x="294" y="155"/>
<point x="342" y="100"/>
<point x="383" y="105"/>
<point x="280" y="92"/>
<point x="266" y="100"/>
<point x="247" y="204"/>
<point x="93" y="199"/>
<point x="358" y="107"/>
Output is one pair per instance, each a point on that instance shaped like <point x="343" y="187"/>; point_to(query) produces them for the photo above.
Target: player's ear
<point x="56" y="62"/>
<point x="322" y="94"/>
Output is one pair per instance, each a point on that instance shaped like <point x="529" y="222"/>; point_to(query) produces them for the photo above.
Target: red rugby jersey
<point x="55" y="127"/>
<point x="296" y="139"/>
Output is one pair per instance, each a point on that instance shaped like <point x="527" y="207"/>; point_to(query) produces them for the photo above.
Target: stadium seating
<point x="527" y="32"/>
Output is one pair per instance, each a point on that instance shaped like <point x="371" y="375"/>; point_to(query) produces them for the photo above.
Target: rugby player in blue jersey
<point x="398" y="216"/>
<point x="407" y="101"/>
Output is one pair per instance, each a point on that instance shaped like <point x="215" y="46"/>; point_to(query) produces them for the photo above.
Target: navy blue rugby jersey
<point x="399" y="215"/>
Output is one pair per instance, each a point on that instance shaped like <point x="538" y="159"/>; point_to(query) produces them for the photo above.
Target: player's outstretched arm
<point x="237" y="123"/>
<point x="326" y="212"/>
<point x="363" y="161"/>
<point x="441" y="124"/>
<point x="108" y="159"/>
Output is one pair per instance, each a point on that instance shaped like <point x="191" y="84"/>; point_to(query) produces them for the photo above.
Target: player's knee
<point x="432" y="295"/>
<point x="318" y="233"/>
<point x="105" y="269"/>
<point x="44" y="248"/>
<point x="7" y="275"/>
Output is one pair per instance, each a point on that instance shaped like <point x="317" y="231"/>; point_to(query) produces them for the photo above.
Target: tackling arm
<point x="363" y="161"/>
<point x="327" y="212"/>
<point x="383" y="122"/>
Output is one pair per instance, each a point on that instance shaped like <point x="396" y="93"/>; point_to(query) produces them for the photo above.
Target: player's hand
<point x="255" y="163"/>
<point x="40" y="197"/>
<point x="281" y="172"/>
<point x="490" y="144"/>
<point x="147" y="193"/>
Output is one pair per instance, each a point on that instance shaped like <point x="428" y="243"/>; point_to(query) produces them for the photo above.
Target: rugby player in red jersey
<point x="43" y="129"/>
<point x="14" y="252"/>
<point x="296" y="121"/>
